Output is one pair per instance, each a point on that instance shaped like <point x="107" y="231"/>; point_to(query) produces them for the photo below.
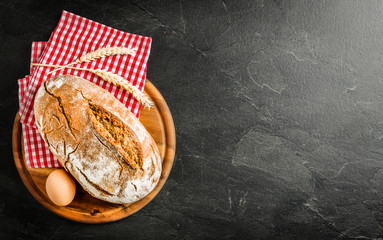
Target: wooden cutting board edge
<point x="121" y="210"/>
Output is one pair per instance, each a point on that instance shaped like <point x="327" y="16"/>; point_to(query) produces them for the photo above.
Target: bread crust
<point x="99" y="141"/>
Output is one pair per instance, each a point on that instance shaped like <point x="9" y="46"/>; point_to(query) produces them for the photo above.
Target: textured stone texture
<point x="278" y="113"/>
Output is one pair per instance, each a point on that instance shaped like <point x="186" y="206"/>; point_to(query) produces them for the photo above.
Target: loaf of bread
<point x="96" y="139"/>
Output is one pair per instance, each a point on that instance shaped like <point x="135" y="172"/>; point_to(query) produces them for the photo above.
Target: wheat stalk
<point x="114" y="79"/>
<point x="100" y="53"/>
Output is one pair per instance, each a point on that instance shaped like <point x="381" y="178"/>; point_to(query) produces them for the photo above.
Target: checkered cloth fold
<point x="73" y="37"/>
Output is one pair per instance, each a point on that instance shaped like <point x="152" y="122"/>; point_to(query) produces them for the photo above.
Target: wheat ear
<point x="114" y="79"/>
<point x="100" y="53"/>
<point x="121" y="82"/>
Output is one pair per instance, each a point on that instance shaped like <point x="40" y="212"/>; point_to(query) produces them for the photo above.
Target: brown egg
<point x="60" y="187"/>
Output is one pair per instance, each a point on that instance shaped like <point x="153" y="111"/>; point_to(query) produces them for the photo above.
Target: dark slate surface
<point x="278" y="113"/>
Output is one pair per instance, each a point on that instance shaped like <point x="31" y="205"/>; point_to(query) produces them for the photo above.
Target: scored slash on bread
<point x="117" y="133"/>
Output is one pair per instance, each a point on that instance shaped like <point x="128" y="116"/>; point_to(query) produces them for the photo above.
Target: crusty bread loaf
<point x="99" y="141"/>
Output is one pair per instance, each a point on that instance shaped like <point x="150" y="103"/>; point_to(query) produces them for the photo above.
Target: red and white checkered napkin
<point x="37" y="153"/>
<point x="73" y="37"/>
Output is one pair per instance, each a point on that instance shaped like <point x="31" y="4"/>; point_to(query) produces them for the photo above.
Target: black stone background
<point x="278" y="113"/>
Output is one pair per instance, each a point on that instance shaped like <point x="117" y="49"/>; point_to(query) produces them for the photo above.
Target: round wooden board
<point x="85" y="208"/>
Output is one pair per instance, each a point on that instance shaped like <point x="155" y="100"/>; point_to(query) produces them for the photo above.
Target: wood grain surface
<point x="85" y="208"/>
